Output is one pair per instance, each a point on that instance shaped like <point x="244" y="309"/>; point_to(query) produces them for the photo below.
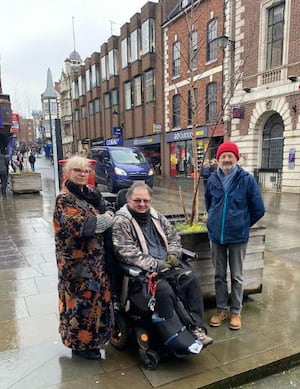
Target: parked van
<point x="119" y="167"/>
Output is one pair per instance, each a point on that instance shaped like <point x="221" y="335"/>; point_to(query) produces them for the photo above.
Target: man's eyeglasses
<point x="139" y="201"/>
<point x="77" y="170"/>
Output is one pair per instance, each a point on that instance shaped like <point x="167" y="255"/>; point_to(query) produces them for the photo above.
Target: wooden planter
<point x="253" y="265"/>
<point x="25" y="182"/>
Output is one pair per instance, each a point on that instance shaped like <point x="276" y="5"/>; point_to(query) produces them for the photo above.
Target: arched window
<point x="272" y="145"/>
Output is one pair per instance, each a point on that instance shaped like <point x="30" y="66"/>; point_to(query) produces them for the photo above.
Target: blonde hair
<point x="76" y="162"/>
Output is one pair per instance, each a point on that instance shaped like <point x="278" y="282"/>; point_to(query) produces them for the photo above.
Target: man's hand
<point x="172" y="261"/>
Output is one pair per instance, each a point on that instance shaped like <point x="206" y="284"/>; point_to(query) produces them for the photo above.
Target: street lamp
<point x="49" y="97"/>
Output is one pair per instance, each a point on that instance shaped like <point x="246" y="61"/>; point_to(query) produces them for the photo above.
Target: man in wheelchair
<point x="144" y="238"/>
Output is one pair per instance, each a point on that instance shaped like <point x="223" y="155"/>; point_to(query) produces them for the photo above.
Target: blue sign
<point x="114" y="141"/>
<point x="117" y="132"/>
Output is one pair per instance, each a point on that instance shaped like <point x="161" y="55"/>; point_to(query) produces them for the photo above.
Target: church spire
<point x="50" y="92"/>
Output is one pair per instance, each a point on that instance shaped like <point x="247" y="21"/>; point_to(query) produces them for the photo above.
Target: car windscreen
<point x="128" y="156"/>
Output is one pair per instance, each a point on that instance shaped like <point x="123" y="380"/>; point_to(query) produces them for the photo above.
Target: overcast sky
<point x="38" y="34"/>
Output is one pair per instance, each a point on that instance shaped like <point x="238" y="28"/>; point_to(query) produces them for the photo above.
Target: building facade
<point x="117" y="94"/>
<point x="267" y="93"/>
<point x="193" y="83"/>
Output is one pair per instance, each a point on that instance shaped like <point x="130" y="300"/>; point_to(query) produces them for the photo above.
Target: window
<point x="106" y="100"/>
<point x="275" y="35"/>
<point x="93" y="76"/>
<point x="113" y="63"/>
<point x="88" y="79"/>
<point x="80" y="86"/>
<point x="115" y="97"/>
<point x="104" y="70"/>
<point x="272" y="145"/>
<point x="138" y="91"/>
<point x="149" y="86"/>
<point x="76" y="115"/>
<point x="124" y="53"/>
<point x="211" y="102"/>
<point x="184" y="3"/>
<point x="176" y="111"/>
<point x="97" y="105"/>
<point x="135" y="45"/>
<point x="91" y="108"/>
<point x="75" y="89"/>
<point x="83" y="85"/>
<point x="148" y="36"/>
<point x="192" y="106"/>
<point x="212" y="33"/>
<point x="83" y="112"/>
<point x="128" y="96"/>
<point x="176" y="59"/>
<point x="193" y="50"/>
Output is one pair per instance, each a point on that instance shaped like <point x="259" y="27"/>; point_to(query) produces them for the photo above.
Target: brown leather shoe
<point x="217" y="318"/>
<point x="235" y="321"/>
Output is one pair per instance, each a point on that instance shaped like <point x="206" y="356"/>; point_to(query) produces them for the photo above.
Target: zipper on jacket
<point x="223" y="219"/>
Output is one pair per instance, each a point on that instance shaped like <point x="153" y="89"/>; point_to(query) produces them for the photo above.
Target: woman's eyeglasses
<point x="77" y="170"/>
<point x="139" y="201"/>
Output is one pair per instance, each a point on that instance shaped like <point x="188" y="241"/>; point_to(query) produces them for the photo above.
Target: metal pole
<point x="54" y="150"/>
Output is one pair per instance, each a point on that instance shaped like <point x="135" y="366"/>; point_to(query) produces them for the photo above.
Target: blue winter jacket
<point x="232" y="213"/>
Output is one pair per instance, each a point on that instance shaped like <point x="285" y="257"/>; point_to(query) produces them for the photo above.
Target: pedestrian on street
<point x="3" y="173"/>
<point x="32" y="161"/>
<point x="233" y="203"/>
<point x="143" y="237"/>
<point x="80" y="218"/>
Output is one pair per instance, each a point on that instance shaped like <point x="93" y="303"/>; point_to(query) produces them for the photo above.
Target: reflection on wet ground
<point x="31" y="353"/>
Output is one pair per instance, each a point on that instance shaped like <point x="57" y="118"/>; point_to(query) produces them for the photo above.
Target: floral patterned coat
<point x="84" y="292"/>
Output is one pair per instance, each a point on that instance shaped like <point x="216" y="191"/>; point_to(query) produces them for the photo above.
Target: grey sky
<point x="39" y="35"/>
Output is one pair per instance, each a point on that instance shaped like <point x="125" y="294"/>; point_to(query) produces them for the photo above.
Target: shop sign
<point x="176" y="136"/>
<point x="97" y="142"/>
<point x="15" y="127"/>
<point x="146" y="140"/>
<point x="114" y="141"/>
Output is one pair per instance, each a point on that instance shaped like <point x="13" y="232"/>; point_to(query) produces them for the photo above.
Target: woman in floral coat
<point x="80" y="218"/>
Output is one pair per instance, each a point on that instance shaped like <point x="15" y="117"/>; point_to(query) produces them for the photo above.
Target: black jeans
<point x="187" y="288"/>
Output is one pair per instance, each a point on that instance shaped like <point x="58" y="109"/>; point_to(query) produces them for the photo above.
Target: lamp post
<point x="49" y="97"/>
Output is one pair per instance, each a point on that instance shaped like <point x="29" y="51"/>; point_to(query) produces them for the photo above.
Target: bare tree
<point x="189" y="54"/>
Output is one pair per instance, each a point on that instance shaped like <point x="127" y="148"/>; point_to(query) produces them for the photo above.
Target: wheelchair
<point x="136" y="319"/>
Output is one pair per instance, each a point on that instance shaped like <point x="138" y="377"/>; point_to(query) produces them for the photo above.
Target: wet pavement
<point x="31" y="353"/>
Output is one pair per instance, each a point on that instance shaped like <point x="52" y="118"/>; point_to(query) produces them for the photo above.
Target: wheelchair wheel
<point x="150" y="359"/>
<point x="119" y="333"/>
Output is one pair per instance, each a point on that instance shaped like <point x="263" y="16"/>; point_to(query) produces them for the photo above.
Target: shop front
<point x="150" y="145"/>
<point x="182" y="160"/>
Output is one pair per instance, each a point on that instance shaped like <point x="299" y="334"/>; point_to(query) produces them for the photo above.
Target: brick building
<point x="193" y="82"/>
<point x="267" y="95"/>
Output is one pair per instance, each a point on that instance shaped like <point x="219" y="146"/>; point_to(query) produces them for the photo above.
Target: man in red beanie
<point x="233" y="203"/>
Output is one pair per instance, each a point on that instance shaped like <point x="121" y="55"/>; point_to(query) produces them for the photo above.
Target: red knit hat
<point x="228" y="147"/>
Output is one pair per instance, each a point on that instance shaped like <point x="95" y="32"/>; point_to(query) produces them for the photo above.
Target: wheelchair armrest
<point x="130" y="270"/>
<point x="188" y="255"/>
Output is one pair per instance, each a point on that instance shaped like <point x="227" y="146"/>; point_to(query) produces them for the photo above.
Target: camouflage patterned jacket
<point x="129" y="242"/>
